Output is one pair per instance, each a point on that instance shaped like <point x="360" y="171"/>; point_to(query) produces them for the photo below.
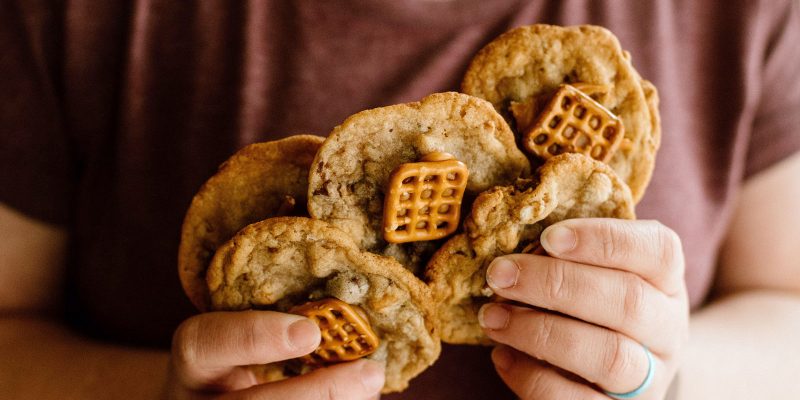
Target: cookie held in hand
<point x="280" y="263"/>
<point x="260" y="181"/>
<point x="352" y="171"/>
<point x="521" y="71"/>
<point x="509" y="219"/>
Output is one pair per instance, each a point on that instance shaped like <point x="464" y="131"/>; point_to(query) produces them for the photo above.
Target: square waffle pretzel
<point x="573" y="122"/>
<point x="423" y="201"/>
<point x="346" y="333"/>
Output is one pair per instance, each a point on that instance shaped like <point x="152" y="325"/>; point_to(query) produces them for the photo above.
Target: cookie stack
<point x="382" y="232"/>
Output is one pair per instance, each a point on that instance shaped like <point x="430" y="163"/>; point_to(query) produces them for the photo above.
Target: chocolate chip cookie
<point x="509" y="219"/>
<point x="521" y="70"/>
<point x="259" y="181"/>
<point x="281" y="263"/>
<point x="351" y="174"/>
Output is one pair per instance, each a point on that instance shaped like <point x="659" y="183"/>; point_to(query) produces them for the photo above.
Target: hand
<point x="607" y="288"/>
<point x="210" y="353"/>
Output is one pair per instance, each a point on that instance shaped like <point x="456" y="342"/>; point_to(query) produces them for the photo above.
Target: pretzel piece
<point x="597" y="92"/>
<point x="573" y="122"/>
<point x="423" y="200"/>
<point x="346" y="333"/>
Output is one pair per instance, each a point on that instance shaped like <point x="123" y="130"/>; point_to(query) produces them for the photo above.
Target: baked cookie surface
<point x="350" y="174"/>
<point x="253" y="184"/>
<point x="509" y="219"/>
<point x="527" y="64"/>
<point x="283" y="262"/>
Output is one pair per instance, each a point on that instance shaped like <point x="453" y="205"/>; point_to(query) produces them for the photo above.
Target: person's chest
<point x="156" y="107"/>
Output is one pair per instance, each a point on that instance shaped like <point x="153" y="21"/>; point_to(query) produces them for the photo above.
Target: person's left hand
<point x="607" y="288"/>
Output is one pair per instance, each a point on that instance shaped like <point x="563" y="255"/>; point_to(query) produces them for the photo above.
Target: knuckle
<point x="184" y="342"/>
<point x="330" y="392"/>
<point x="613" y="241"/>
<point x="617" y="361"/>
<point x="339" y="386"/>
<point x="634" y="307"/>
<point x="671" y="249"/>
<point x="670" y="258"/>
<point x="554" y="284"/>
<point x="535" y="386"/>
<point x="266" y="332"/>
<point x="254" y="334"/>
<point x="608" y="249"/>
<point x="543" y="337"/>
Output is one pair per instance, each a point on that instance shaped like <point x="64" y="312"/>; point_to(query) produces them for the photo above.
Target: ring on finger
<point x="648" y="380"/>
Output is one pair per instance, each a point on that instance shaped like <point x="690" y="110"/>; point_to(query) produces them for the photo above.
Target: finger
<point x="362" y="379"/>
<point x="533" y="379"/>
<point x="645" y="248"/>
<point x="606" y="297"/>
<point x="601" y="356"/>
<point x="208" y="348"/>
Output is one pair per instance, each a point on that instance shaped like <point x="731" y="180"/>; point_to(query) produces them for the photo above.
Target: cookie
<point x="280" y="263"/>
<point x="259" y="181"/>
<point x="522" y="69"/>
<point x="354" y="166"/>
<point x="509" y="219"/>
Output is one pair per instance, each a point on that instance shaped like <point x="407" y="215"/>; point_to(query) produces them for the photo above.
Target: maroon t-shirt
<point x="115" y="112"/>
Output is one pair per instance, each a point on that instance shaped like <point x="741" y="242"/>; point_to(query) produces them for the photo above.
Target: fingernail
<point x="558" y="239"/>
<point x="372" y="376"/>
<point x="493" y="316"/>
<point x="502" y="274"/>
<point x="502" y="357"/>
<point x="303" y="334"/>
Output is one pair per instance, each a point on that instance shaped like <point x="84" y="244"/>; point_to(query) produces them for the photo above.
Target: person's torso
<point x="158" y="93"/>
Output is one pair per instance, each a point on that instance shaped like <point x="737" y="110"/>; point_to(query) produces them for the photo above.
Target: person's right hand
<point x="210" y="352"/>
